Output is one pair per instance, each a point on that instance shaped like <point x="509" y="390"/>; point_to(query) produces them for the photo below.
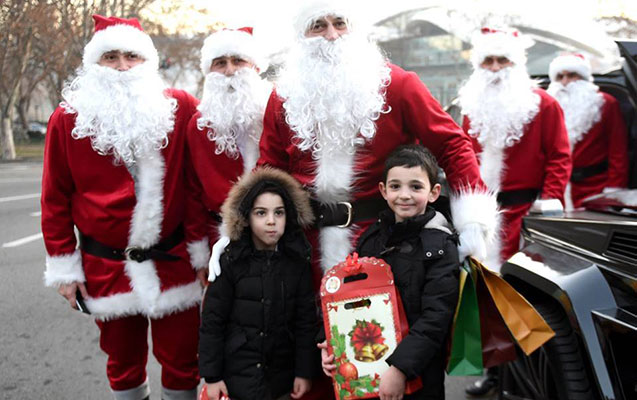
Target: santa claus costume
<point x="518" y="132"/>
<point x="339" y="109"/>
<point x="596" y="131"/>
<point x="113" y="168"/>
<point x="223" y="136"/>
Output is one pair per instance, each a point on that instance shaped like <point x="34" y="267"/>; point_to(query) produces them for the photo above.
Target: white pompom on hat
<point x="310" y="11"/>
<point x="571" y="62"/>
<point x="499" y="43"/>
<point x="125" y="35"/>
<point x="232" y="42"/>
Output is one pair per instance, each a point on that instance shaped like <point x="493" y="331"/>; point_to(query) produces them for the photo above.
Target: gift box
<point x="364" y="322"/>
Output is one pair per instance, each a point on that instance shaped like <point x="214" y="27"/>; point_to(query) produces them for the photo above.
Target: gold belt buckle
<point x="347" y="205"/>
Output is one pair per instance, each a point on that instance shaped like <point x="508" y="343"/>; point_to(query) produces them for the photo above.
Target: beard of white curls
<point x="334" y="92"/>
<point x="125" y="113"/>
<point x="499" y="104"/>
<point x="232" y="109"/>
<point x="582" y="105"/>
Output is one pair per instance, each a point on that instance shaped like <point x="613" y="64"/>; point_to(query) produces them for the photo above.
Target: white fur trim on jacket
<point x="570" y="63"/>
<point x="64" y="269"/>
<point x="232" y="42"/>
<point x="199" y="253"/>
<point x="123" y="38"/>
<point x="170" y="301"/>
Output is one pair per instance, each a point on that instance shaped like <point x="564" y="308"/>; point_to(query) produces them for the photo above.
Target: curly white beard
<point x="125" y="113"/>
<point x="499" y="104"/>
<point x="334" y="91"/>
<point x="232" y="109"/>
<point x="582" y="104"/>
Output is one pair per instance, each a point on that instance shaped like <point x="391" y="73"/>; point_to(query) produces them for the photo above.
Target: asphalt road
<point x="48" y="350"/>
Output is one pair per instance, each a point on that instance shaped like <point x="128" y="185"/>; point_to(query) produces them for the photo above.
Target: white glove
<point x="472" y="242"/>
<point x="214" y="268"/>
<point x="547" y="207"/>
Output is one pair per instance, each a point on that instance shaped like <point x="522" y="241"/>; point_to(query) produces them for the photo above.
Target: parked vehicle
<point x="36" y="130"/>
<point x="580" y="271"/>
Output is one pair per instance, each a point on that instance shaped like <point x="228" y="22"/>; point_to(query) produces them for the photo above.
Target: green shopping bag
<point x="466" y="343"/>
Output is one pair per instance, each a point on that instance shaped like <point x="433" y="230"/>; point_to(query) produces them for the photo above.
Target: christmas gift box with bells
<point x="364" y="322"/>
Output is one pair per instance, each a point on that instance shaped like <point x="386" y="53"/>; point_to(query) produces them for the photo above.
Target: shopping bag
<point x="498" y="346"/>
<point x="526" y="325"/>
<point x="203" y="395"/>
<point x="364" y="322"/>
<point x="466" y="344"/>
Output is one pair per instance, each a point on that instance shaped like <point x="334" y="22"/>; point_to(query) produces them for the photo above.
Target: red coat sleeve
<point x="557" y="150"/>
<point x="436" y="130"/>
<point x="57" y="188"/>
<point x="615" y="129"/>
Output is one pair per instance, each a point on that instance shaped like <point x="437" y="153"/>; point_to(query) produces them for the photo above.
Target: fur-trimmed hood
<point x="233" y="219"/>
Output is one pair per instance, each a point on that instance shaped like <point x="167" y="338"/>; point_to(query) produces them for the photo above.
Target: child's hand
<point x="327" y="361"/>
<point x="301" y="386"/>
<point x="216" y="390"/>
<point x="392" y="384"/>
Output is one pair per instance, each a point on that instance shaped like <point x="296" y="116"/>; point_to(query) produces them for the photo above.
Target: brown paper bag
<point x="526" y="325"/>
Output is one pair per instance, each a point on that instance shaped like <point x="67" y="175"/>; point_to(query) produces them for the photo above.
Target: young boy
<point x="421" y="248"/>
<point x="259" y="316"/>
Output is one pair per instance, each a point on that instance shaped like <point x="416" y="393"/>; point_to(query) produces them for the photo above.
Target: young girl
<point x="259" y="316"/>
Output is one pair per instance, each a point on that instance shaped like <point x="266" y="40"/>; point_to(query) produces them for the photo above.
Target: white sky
<point x="272" y="19"/>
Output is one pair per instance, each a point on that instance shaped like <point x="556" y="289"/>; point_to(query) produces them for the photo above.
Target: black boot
<point x="486" y="386"/>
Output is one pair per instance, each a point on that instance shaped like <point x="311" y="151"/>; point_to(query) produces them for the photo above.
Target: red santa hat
<point x="499" y="43"/>
<point x="571" y="62"/>
<point x="229" y="42"/>
<point x="311" y="10"/>
<point x="121" y="34"/>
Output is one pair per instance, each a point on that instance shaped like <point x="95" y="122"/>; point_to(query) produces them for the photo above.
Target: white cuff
<point x="64" y="269"/>
<point x="610" y="189"/>
<point x="476" y="207"/>
<point x="199" y="253"/>
<point x="547" y="207"/>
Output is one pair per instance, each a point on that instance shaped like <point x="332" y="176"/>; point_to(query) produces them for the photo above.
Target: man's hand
<point x="216" y="391"/>
<point x="392" y="384"/>
<point x="68" y="291"/>
<point x="472" y="242"/>
<point x="214" y="267"/>
<point x="327" y="361"/>
<point x="301" y="387"/>
<point x="202" y="276"/>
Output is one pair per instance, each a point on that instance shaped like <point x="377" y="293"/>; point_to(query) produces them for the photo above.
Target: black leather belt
<point x="133" y="253"/>
<point x="344" y="214"/>
<point x="581" y="173"/>
<point x="517" y="197"/>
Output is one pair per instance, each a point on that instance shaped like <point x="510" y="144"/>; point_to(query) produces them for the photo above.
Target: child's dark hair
<point x="413" y="155"/>
<point x="269" y="186"/>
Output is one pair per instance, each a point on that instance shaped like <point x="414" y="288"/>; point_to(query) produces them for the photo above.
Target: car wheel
<point x="555" y="371"/>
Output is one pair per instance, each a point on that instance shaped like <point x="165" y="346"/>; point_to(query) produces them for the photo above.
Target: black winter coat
<point x="259" y="320"/>
<point x="423" y="256"/>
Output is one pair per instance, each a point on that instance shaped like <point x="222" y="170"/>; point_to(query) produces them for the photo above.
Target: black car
<point x="580" y="271"/>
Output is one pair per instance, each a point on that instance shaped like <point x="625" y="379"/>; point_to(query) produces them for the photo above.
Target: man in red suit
<point x="223" y="136"/>
<point x="596" y="130"/>
<point x="338" y="110"/>
<point x="114" y="166"/>
<point x="518" y="133"/>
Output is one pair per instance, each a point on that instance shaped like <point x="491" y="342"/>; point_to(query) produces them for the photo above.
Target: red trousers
<point x="175" y="340"/>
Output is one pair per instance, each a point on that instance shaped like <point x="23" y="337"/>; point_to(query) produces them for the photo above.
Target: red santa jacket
<point x="88" y="191"/>
<point x="212" y="177"/>
<point x="415" y="116"/>
<point x="606" y="141"/>
<point x="540" y="160"/>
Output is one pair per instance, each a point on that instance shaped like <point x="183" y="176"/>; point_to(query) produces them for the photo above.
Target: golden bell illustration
<point x="365" y="354"/>
<point x="379" y="350"/>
